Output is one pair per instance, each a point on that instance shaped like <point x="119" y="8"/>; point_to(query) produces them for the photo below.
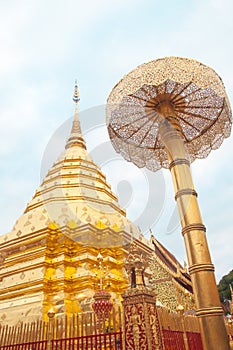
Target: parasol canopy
<point x="195" y="94"/>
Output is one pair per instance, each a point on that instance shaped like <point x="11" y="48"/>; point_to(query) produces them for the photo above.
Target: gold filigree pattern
<point x="169" y="293"/>
<point x="193" y="91"/>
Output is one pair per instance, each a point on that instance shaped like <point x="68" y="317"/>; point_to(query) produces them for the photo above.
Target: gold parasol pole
<point x="210" y="313"/>
<point x="156" y="113"/>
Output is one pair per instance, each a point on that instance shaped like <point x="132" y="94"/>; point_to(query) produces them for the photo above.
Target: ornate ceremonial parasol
<point x="166" y="113"/>
<point x="196" y="96"/>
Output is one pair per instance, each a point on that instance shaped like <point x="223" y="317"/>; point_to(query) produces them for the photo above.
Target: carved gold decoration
<point x="136" y="322"/>
<point x="167" y="289"/>
<point x="197" y="96"/>
<point x="135" y="265"/>
<point x="141" y="325"/>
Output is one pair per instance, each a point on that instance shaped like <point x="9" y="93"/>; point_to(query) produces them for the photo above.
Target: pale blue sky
<point x="46" y="45"/>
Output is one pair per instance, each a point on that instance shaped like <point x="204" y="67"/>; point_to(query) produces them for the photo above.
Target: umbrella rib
<point x="178" y="117"/>
<point x="156" y="141"/>
<point x="204" y="107"/>
<point x="178" y="94"/>
<point x="148" y="133"/>
<point x="145" y="136"/>
<point x="193" y="126"/>
<point x="151" y="113"/>
<point x="146" y="92"/>
<point x="123" y="126"/>
<point x="166" y="85"/>
<point x="202" y="98"/>
<point x="196" y="115"/>
<point x="134" y="132"/>
<point x="191" y="93"/>
<point x="213" y="122"/>
<point x="174" y="87"/>
<point x="138" y="98"/>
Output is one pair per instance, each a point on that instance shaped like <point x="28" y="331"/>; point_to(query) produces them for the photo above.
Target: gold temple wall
<point x="48" y="269"/>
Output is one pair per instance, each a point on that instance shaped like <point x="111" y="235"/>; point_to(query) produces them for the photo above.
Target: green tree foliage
<point x="223" y="286"/>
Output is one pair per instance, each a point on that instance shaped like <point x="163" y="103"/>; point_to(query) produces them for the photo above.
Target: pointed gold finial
<point x="76" y="93"/>
<point x="76" y="137"/>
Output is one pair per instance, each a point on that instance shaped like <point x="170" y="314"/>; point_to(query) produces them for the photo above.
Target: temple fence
<point x="85" y="332"/>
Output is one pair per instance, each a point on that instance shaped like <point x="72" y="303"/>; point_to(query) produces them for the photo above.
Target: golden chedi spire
<point x="74" y="191"/>
<point x="76" y="137"/>
<point x="72" y="216"/>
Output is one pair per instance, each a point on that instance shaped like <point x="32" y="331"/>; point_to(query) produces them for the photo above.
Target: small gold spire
<point x="76" y="93"/>
<point x="76" y="137"/>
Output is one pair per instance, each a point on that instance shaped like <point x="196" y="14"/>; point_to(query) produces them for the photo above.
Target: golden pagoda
<point x="49" y="259"/>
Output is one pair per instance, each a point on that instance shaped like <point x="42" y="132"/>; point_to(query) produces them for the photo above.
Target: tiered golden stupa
<point x="49" y="259"/>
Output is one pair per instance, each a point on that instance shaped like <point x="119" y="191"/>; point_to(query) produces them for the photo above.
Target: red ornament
<point x="102" y="304"/>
